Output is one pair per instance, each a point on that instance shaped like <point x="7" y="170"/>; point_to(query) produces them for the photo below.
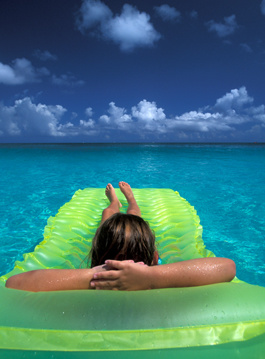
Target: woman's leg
<point x="133" y="207"/>
<point x="114" y="206"/>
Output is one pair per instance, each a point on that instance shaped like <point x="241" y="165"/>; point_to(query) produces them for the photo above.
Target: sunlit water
<point x="225" y="183"/>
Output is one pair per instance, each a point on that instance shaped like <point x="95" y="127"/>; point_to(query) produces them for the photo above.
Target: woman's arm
<point x="194" y="272"/>
<point x="126" y="275"/>
<point x="53" y="279"/>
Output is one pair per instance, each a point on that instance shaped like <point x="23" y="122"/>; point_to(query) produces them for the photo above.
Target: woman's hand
<point x="189" y="273"/>
<point x="122" y="275"/>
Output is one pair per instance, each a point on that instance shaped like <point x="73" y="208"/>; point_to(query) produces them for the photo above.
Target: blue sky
<point x="132" y="71"/>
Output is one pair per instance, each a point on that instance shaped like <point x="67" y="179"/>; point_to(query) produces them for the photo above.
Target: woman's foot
<point x="127" y="191"/>
<point x="111" y="195"/>
<point x="133" y="207"/>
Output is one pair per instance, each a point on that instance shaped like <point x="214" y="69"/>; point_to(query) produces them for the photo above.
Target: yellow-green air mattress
<point x="215" y="321"/>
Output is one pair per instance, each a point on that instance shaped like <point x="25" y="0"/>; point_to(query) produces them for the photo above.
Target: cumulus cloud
<point x="87" y="124"/>
<point x="129" y="30"/>
<point x="86" y="128"/>
<point x="262" y="7"/>
<point x="231" y="114"/>
<point x="117" y="118"/>
<point x="67" y="80"/>
<point x="89" y="112"/>
<point x="21" y="71"/>
<point x="235" y="100"/>
<point x="168" y="13"/>
<point x="91" y="14"/>
<point x="231" y="110"/>
<point x="237" y="107"/>
<point x="44" y="55"/>
<point x="26" y="118"/>
<point x="257" y="113"/>
<point x="226" y="28"/>
<point x="149" y="117"/>
<point x="198" y="121"/>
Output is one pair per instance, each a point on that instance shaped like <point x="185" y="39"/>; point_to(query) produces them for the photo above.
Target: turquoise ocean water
<point x="225" y="184"/>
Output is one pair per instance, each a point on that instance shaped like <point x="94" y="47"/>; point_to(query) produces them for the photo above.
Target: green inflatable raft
<point x="221" y="320"/>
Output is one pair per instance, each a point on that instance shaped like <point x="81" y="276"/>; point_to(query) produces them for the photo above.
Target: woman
<point x="124" y="257"/>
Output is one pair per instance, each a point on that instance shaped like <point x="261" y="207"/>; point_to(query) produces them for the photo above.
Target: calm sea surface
<point x="225" y="183"/>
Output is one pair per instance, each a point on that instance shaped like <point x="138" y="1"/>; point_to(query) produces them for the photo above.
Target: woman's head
<point x="121" y="237"/>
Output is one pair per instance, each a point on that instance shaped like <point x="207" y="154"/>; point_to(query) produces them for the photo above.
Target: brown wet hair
<point x="123" y="237"/>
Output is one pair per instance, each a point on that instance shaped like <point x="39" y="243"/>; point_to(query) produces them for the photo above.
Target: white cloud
<point x="44" y="55"/>
<point x="105" y="120"/>
<point x="262" y="7"/>
<point x="129" y="30"/>
<point x="230" y="111"/>
<point x="168" y="13"/>
<point x="199" y="122"/>
<point x="147" y="111"/>
<point x="87" y="124"/>
<point x="118" y="118"/>
<point x="228" y="27"/>
<point x="20" y="72"/>
<point x="89" y="112"/>
<point x="67" y="80"/>
<point x="27" y="118"/>
<point x="234" y="100"/>
<point x="231" y="115"/>
<point x="91" y="14"/>
<point x="149" y="116"/>
<point x="257" y="113"/>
